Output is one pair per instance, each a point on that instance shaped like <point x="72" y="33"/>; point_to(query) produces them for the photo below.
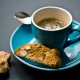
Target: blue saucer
<point x="23" y="35"/>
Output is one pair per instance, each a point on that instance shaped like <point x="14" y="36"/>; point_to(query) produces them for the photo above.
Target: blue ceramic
<point x="23" y="35"/>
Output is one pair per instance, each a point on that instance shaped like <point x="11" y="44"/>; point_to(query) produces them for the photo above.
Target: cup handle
<point x="22" y="17"/>
<point x="74" y="28"/>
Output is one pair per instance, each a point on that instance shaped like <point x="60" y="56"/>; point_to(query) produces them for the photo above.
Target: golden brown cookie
<point x="40" y="53"/>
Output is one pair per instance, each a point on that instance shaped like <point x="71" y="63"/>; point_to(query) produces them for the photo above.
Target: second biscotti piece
<point x="4" y="58"/>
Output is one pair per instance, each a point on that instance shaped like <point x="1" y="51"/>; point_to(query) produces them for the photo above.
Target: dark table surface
<point x="19" y="71"/>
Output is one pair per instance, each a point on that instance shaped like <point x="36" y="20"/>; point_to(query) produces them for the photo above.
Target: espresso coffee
<point x="51" y="24"/>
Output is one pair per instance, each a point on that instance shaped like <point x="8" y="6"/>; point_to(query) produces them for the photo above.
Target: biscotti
<point x="4" y="58"/>
<point x="40" y="53"/>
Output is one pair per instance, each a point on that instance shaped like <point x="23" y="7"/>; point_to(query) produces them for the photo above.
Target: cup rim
<point x="51" y="7"/>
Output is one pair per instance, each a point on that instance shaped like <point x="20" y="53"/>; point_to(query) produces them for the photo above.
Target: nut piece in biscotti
<point x="21" y="52"/>
<point x="40" y="53"/>
<point x="4" y="58"/>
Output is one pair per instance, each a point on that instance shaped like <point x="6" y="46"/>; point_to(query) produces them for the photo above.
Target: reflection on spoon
<point x="72" y="50"/>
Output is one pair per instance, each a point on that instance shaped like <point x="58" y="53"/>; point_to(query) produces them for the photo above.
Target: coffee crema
<point x="51" y="24"/>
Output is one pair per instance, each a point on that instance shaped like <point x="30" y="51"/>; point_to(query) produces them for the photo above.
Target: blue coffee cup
<point x="52" y="38"/>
